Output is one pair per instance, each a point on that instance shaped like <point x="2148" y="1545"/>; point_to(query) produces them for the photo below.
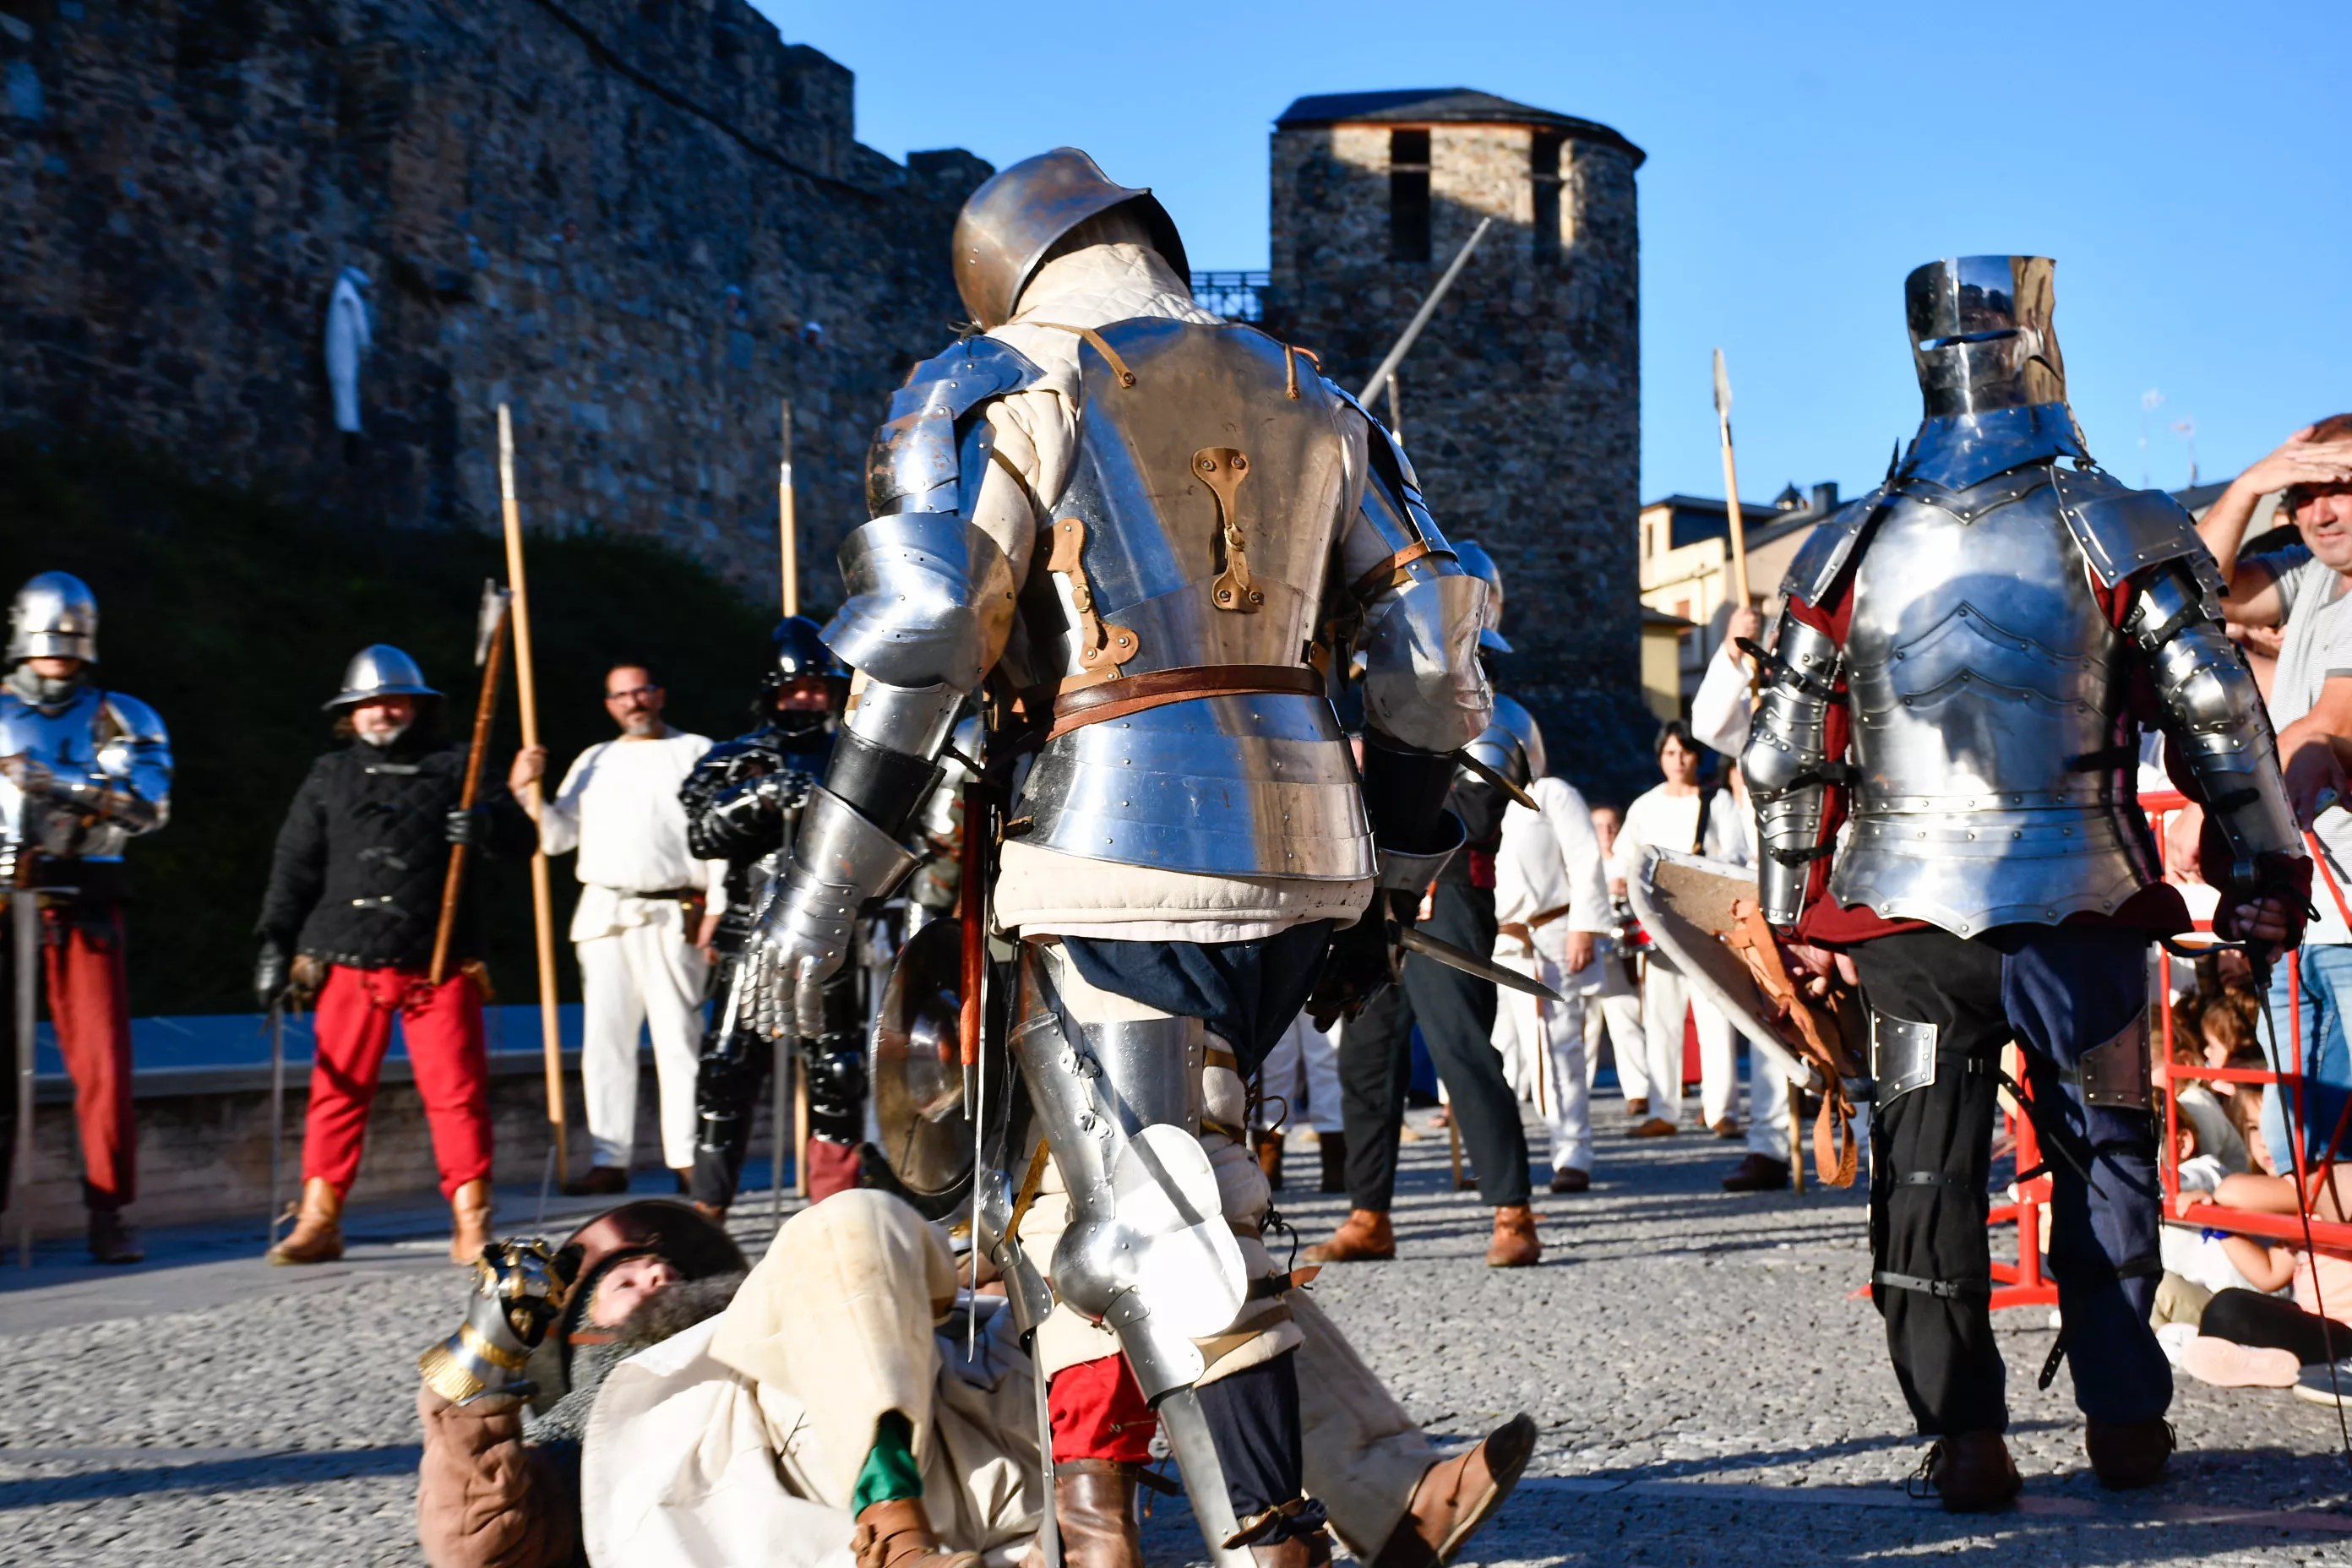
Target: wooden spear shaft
<point x="787" y="524"/>
<point x="486" y="707"/>
<point x="542" y="907"/>
<point x="1731" y="486"/>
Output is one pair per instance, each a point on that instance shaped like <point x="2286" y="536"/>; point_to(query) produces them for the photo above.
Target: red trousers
<point x="1098" y="1413"/>
<point x="90" y="1004"/>
<point x="444" y="1028"/>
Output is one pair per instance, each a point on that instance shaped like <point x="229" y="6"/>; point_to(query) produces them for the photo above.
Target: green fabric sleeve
<point x="889" y="1473"/>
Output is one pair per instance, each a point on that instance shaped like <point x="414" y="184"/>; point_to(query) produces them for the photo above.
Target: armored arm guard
<point x="1788" y="765"/>
<point x="1419" y="612"/>
<point x="739" y="803"/>
<point x="2214" y="717"/>
<point x="519" y="1290"/>
<point x="132" y="787"/>
<point x="931" y="605"/>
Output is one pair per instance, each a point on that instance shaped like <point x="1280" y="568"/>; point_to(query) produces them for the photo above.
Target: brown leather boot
<point x="1298" y="1552"/>
<point x="112" y="1240"/>
<point x="2127" y="1453"/>
<point x="1972" y="1472"/>
<point x="317" y="1233"/>
<point x="1515" y="1245"/>
<point x="1094" y="1506"/>
<point x="1334" y="1149"/>
<point x="1456" y="1495"/>
<point x="1269" y="1157"/>
<point x="898" y="1534"/>
<point x="1364" y="1237"/>
<point x="469" y="1222"/>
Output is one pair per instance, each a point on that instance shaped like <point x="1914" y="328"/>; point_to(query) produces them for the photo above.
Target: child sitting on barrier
<point x="2255" y="1338"/>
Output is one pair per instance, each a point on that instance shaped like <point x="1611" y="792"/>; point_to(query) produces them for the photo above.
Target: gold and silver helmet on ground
<point x="1013" y="221"/>
<point x="55" y="616"/>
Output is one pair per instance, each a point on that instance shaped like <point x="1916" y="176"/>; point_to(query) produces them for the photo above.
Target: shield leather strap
<point x="1826" y="1030"/>
<point x="1136" y="693"/>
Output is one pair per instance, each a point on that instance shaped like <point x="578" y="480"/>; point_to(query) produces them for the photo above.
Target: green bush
<point x="233" y="614"/>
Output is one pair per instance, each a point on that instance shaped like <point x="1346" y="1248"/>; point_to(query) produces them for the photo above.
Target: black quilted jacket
<point x="357" y="876"/>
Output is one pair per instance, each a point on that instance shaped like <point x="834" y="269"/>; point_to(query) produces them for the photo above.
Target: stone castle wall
<point x="1521" y="402"/>
<point x="643" y="222"/>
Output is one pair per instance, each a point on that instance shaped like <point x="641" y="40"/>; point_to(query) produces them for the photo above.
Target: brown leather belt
<point x="1526" y="931"/>
<point x="1136" y="693"/>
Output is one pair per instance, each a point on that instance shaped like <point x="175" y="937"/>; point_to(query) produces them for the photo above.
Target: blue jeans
<point x="2326" y="986"/>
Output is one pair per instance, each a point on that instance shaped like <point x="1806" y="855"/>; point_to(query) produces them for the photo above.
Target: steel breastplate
<point x="1197" y="528"/>
<point x="1985" y="675"/>
<point x="68" y="740"/>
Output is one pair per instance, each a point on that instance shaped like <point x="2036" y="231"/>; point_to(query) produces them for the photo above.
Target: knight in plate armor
<point x="1145" y="536"/>
<point x="743" y="803"/>
<point x="83" y="771"/>
<point x="1943" y="764"/>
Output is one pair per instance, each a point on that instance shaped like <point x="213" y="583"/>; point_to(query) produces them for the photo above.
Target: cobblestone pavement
<point x="1709" y="1392"/>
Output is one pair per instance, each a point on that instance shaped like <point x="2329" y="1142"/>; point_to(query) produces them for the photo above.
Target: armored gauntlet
<point x="519" y="1290"/>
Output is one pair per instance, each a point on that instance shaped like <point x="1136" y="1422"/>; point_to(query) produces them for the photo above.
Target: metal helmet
<point x="801" y="650"/>
<point x="678" y="1234"/>
<point x="1512" y="742"/>
<point x="1014" y="218"/>
<point x="378" y="670"/>
<point x="55" y="616"/>
<point x="918" y="1071"/>
<point x="1981" y="334"/>
<point x="1478" y="564"/>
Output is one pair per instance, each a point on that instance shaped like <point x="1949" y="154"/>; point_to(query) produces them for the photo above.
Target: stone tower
<point x="1521" y="402"/>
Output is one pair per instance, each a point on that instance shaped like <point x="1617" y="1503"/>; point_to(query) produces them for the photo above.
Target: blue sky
<point x="2191" y="184"/>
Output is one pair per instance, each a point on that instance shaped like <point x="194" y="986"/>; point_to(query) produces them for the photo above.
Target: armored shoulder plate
<point x="2124" y="532"/>
<point x="1828" y="550"/>
<point x="914" y="465"/>
<point x="129" y="719"/>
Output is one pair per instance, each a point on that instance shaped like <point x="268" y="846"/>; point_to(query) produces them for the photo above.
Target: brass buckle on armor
<point x="1222" y="470"/>
<point x="1102" y="646"/>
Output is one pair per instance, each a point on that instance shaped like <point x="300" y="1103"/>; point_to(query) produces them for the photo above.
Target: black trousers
<point x="2059" y="992"/>
<point x="2271" y="1322"/>
<point x="1457" y="1013"/>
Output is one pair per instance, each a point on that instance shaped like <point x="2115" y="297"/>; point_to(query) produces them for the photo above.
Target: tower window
<point x="1543" y="168"/>
<point x="1408" y="195"/>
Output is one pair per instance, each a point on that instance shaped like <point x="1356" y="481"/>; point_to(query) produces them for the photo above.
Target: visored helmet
<point x="1478" y="564"/>
<point x="801" y="650"/>
<point x="55" y="616"/>
<point x="377" y="670"/>
<point x="1005" y="230"/>
<point x="1512" y="742"/>
<point x="1981" y="334"/>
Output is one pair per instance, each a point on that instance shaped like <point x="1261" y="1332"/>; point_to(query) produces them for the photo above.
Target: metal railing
<point x="1236" y="296"/>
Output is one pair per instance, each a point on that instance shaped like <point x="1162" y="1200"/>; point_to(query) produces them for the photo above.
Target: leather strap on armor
<point x="1136" y="693"/>
<point x="1942" y="1289"/>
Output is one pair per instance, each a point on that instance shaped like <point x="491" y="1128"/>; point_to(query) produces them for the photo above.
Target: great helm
<point x="379" y="669"/>
<point x="1511" y="744"/>
<point x="55" y="616"/>
<point x="1981" y="334"/>
<point x="1004" y="231"/>
<point x="1478" y="564"/>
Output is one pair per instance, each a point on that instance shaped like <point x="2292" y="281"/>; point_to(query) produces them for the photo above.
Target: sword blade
<point x="1452" y="957"/>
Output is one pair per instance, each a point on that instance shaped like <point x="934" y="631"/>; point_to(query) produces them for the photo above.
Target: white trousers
<point x="1298" y="1086"/>
<point x="1619" y="1015"/>
<point x="1665" y="995"/>
<point x="1544" y="1056"/>
<point x="1768" y="1108"/>
<point x="648" y="976"/>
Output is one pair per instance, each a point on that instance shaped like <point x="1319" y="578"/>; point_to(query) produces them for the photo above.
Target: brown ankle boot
<point x="1364" y="1237"/>
<point x="1299" y="1552"/>
<point x="317" y="1233"/>
<point x="1515" y="1245"/>
<point x="1269" y="1157"/>
<point x="2127" y="1454"/>
<point x="898" y="1534"/>
<point x="1456" y="1495"/>
<point x="1094" y="1506"/>
<point x="1335" y="1162"/>
<point x="469" y="1222"/>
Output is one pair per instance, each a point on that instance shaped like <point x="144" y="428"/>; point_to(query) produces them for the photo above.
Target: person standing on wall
<point x="355" y="888"/>
<point x="641" y="901"/>
<point x="83" y="771"/>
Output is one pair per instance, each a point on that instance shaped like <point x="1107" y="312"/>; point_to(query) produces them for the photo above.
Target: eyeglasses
<point x="637" y="691"/>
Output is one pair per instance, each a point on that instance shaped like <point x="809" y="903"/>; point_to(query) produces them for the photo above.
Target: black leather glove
<point x="1364" y="959"/>
<point x="468" y="825"/>
<point x="271" y="972"/>
<point x="519" y="1291"/>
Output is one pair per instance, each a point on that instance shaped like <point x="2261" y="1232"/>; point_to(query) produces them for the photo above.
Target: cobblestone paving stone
<point x="1707" y="1390"/>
